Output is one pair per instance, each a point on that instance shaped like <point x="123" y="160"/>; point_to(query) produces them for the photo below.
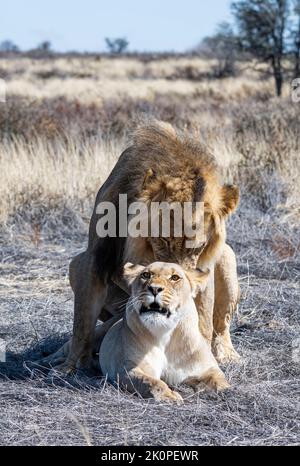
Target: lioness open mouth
<point x="155" y="307"/>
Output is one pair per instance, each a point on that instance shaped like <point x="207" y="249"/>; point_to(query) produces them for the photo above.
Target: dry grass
<point x="92" y="81"/>
<point x="58" y="152"/>
<point x="47" y="175"/>
<point x="55" y="152"/>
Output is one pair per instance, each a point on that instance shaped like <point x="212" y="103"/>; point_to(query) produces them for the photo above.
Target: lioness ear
<point x="198" y="280"/>
<point x="131" y="271"/>
<point x="229" y="199"/>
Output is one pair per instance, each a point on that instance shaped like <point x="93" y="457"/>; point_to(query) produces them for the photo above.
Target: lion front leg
<point x="90" y="294"/>
<point x="205" y="304"/>
<point x="226" y="300"/>
<point x="61" y="355"/>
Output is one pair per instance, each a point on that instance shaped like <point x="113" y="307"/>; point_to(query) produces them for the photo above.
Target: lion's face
<point x="160" y="292"/>
<point x="183" y="250"/>
<point x="201" y="232"/>
<point x="174" y="249"/>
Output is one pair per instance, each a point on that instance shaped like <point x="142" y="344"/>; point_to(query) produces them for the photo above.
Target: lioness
<point x="158" y="166"/>
<point x="158" y="342"/>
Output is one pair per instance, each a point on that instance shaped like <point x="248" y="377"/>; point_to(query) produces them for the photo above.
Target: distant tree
<point x="45" y="46"/>
<point x="224" y="47"/>
<point x="295" y="35"/>
<point x="262" y="28"/>
<point x="117" y="46"/>
<point x="8" y="46"/>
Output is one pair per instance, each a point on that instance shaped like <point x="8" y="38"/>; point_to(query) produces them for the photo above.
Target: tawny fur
<point x="148" y="352"/>
<point x="158" y="165"/>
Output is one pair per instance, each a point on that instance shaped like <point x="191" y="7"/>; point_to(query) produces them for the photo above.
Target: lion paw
<point x="52" y="361"/>
<point x="227" y="355"/>
<point x="224" y="353"/>
<point x="64" y="369"/>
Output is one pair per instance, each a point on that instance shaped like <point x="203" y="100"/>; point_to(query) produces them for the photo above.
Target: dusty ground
<point x="261" y="408"/>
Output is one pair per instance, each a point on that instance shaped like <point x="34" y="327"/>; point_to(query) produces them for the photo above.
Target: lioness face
<point x="161" y="291"/>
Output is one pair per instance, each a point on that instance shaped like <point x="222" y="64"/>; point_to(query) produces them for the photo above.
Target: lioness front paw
<point x="171" y="397"/>
<point x="213" y="379"/>
<point x="168" y="396"/>
<point x="175" y="396"/>
<point x="217" y="383"/>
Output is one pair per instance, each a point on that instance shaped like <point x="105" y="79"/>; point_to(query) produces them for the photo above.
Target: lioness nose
<point x="155" y="289"/>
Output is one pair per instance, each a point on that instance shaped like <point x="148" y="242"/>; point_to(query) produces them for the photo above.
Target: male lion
<point x="158" y="166"/>
<point x="158" y="342"/>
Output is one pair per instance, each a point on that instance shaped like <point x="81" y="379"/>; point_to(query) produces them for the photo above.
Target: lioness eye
<point x="146" y="275"/>
<point x="175" y="278"/>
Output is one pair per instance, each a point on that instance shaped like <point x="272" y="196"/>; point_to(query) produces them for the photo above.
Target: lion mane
<point x="160" y="165"/>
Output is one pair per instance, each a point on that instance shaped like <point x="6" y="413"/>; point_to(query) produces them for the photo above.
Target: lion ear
<point x="229" y="199"/>
<point x="131" y="271"/>
<point x="150" y="176"/>
<point x="198" y="280"/>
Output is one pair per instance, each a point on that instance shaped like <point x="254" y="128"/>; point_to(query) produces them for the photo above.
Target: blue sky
<point x="82" y="25"/>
